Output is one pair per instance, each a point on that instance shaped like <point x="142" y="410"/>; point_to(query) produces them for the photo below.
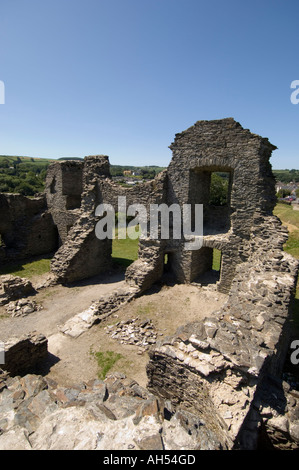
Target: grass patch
<point x="292" y="244"/>
<point x="145" y="310"/>
<point x="124" y="251"/>
<point x="105" y="360"/>
<point x="216" y="259"/>
<point x="287" y="214"/>
<point x="28" y="270"/>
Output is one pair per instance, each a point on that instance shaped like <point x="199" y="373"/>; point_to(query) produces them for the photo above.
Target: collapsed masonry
<point x="217" y="368"/>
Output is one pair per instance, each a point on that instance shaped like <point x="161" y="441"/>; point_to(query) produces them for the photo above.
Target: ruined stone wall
<point x="222" y="146"/>
<point x="230" y="353"/>
<point x="217" y="369"/>
<point x="82" y="255"/>
<point x="26" y="228"/>
<point x="205" y="148"/>
<point x="63" y="191"/>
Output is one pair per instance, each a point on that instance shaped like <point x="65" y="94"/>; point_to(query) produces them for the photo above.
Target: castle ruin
<point x="234" y="352"/>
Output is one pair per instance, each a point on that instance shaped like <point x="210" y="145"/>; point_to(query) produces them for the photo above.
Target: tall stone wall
<point x="203" y="149"/>
<point x="217" y="367"/>
<point x="82" y="254"/>
<point x="63" y="191"/>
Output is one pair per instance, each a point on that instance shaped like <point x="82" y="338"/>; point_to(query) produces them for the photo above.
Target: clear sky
<point x="122" y="77"/>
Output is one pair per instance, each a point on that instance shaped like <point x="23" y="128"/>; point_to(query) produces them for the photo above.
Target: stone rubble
<point x="13" y="288"/>
<point x="115" y="414"/>
<point x="25" y="354"/>
<point x="140" y="333"/>
<point x="22" y="308"/>
<point x="98" y="311"/>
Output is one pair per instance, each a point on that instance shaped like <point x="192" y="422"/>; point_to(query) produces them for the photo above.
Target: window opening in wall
<point x="219" y="194"/>
<point x="53" y="186"/>
<point x="211" y="187"/>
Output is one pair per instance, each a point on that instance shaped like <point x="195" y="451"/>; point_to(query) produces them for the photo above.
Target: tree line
<point x="26" y="177"/>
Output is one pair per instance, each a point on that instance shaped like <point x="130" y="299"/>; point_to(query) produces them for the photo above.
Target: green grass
<point x="124" y="251"/>
<point x="216" y="259"/>
<point x="28" y="270"/>
<point x="20" y="159"/>
<point x="105" y="360"/>
<point x="288" y="216"/>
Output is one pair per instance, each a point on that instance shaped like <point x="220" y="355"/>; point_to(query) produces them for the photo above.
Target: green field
<point x="32" y="160"/>
<point x="28" y="270"/>
<point x="124" y="251"/>
<point x="290" y="218"/>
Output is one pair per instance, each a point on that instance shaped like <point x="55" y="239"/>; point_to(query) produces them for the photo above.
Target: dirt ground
<point x="71" y="359"/>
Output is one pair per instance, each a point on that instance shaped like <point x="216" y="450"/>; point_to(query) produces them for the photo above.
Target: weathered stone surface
<point x="211" y="373"/>
<point x="23" y="355"/>
<point x="14" y="287"/>
<point x="115" y="414"/>
<point x="98" y="311"/>
<point x="26" y="227"/>
<point x="22" y="308"/>
<point x="140" y="333"/>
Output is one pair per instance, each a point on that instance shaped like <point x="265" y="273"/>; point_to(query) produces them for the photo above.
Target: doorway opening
<point x="207" y="265"/>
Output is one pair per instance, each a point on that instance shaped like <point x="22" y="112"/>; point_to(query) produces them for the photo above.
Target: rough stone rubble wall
<point x="215" y="368"/>
<point x="82" y="254"/>
<point x="228" y="355"/>
<point x="26" y="228"/>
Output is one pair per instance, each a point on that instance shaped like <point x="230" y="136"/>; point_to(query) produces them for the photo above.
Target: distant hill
<point x="26" y="175"/>
<point x="23" y="175"/>
<point x="286" y="176"/>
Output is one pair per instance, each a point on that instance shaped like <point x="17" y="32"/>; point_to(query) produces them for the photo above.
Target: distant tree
<point x="4" y="163"/>
<point x="4" y="188"/>
<point x="25" y="189"/>
<point x="283" y="193"/>
<point x="218" y="190"/>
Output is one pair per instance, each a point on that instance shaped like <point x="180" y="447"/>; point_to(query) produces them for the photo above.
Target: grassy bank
<point x="290" y="219"/>
<point x="28" y="270"/>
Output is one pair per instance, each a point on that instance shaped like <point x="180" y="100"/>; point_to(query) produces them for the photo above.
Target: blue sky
<point x="122" y="77"/>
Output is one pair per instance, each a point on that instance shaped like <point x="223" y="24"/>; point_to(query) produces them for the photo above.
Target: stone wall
<point x="26" y="228"/>
<point x="24" y="355"/>
<point x="224" y="360"/>
<point x="63" y="191"/>
<point x="217" y="369"/>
